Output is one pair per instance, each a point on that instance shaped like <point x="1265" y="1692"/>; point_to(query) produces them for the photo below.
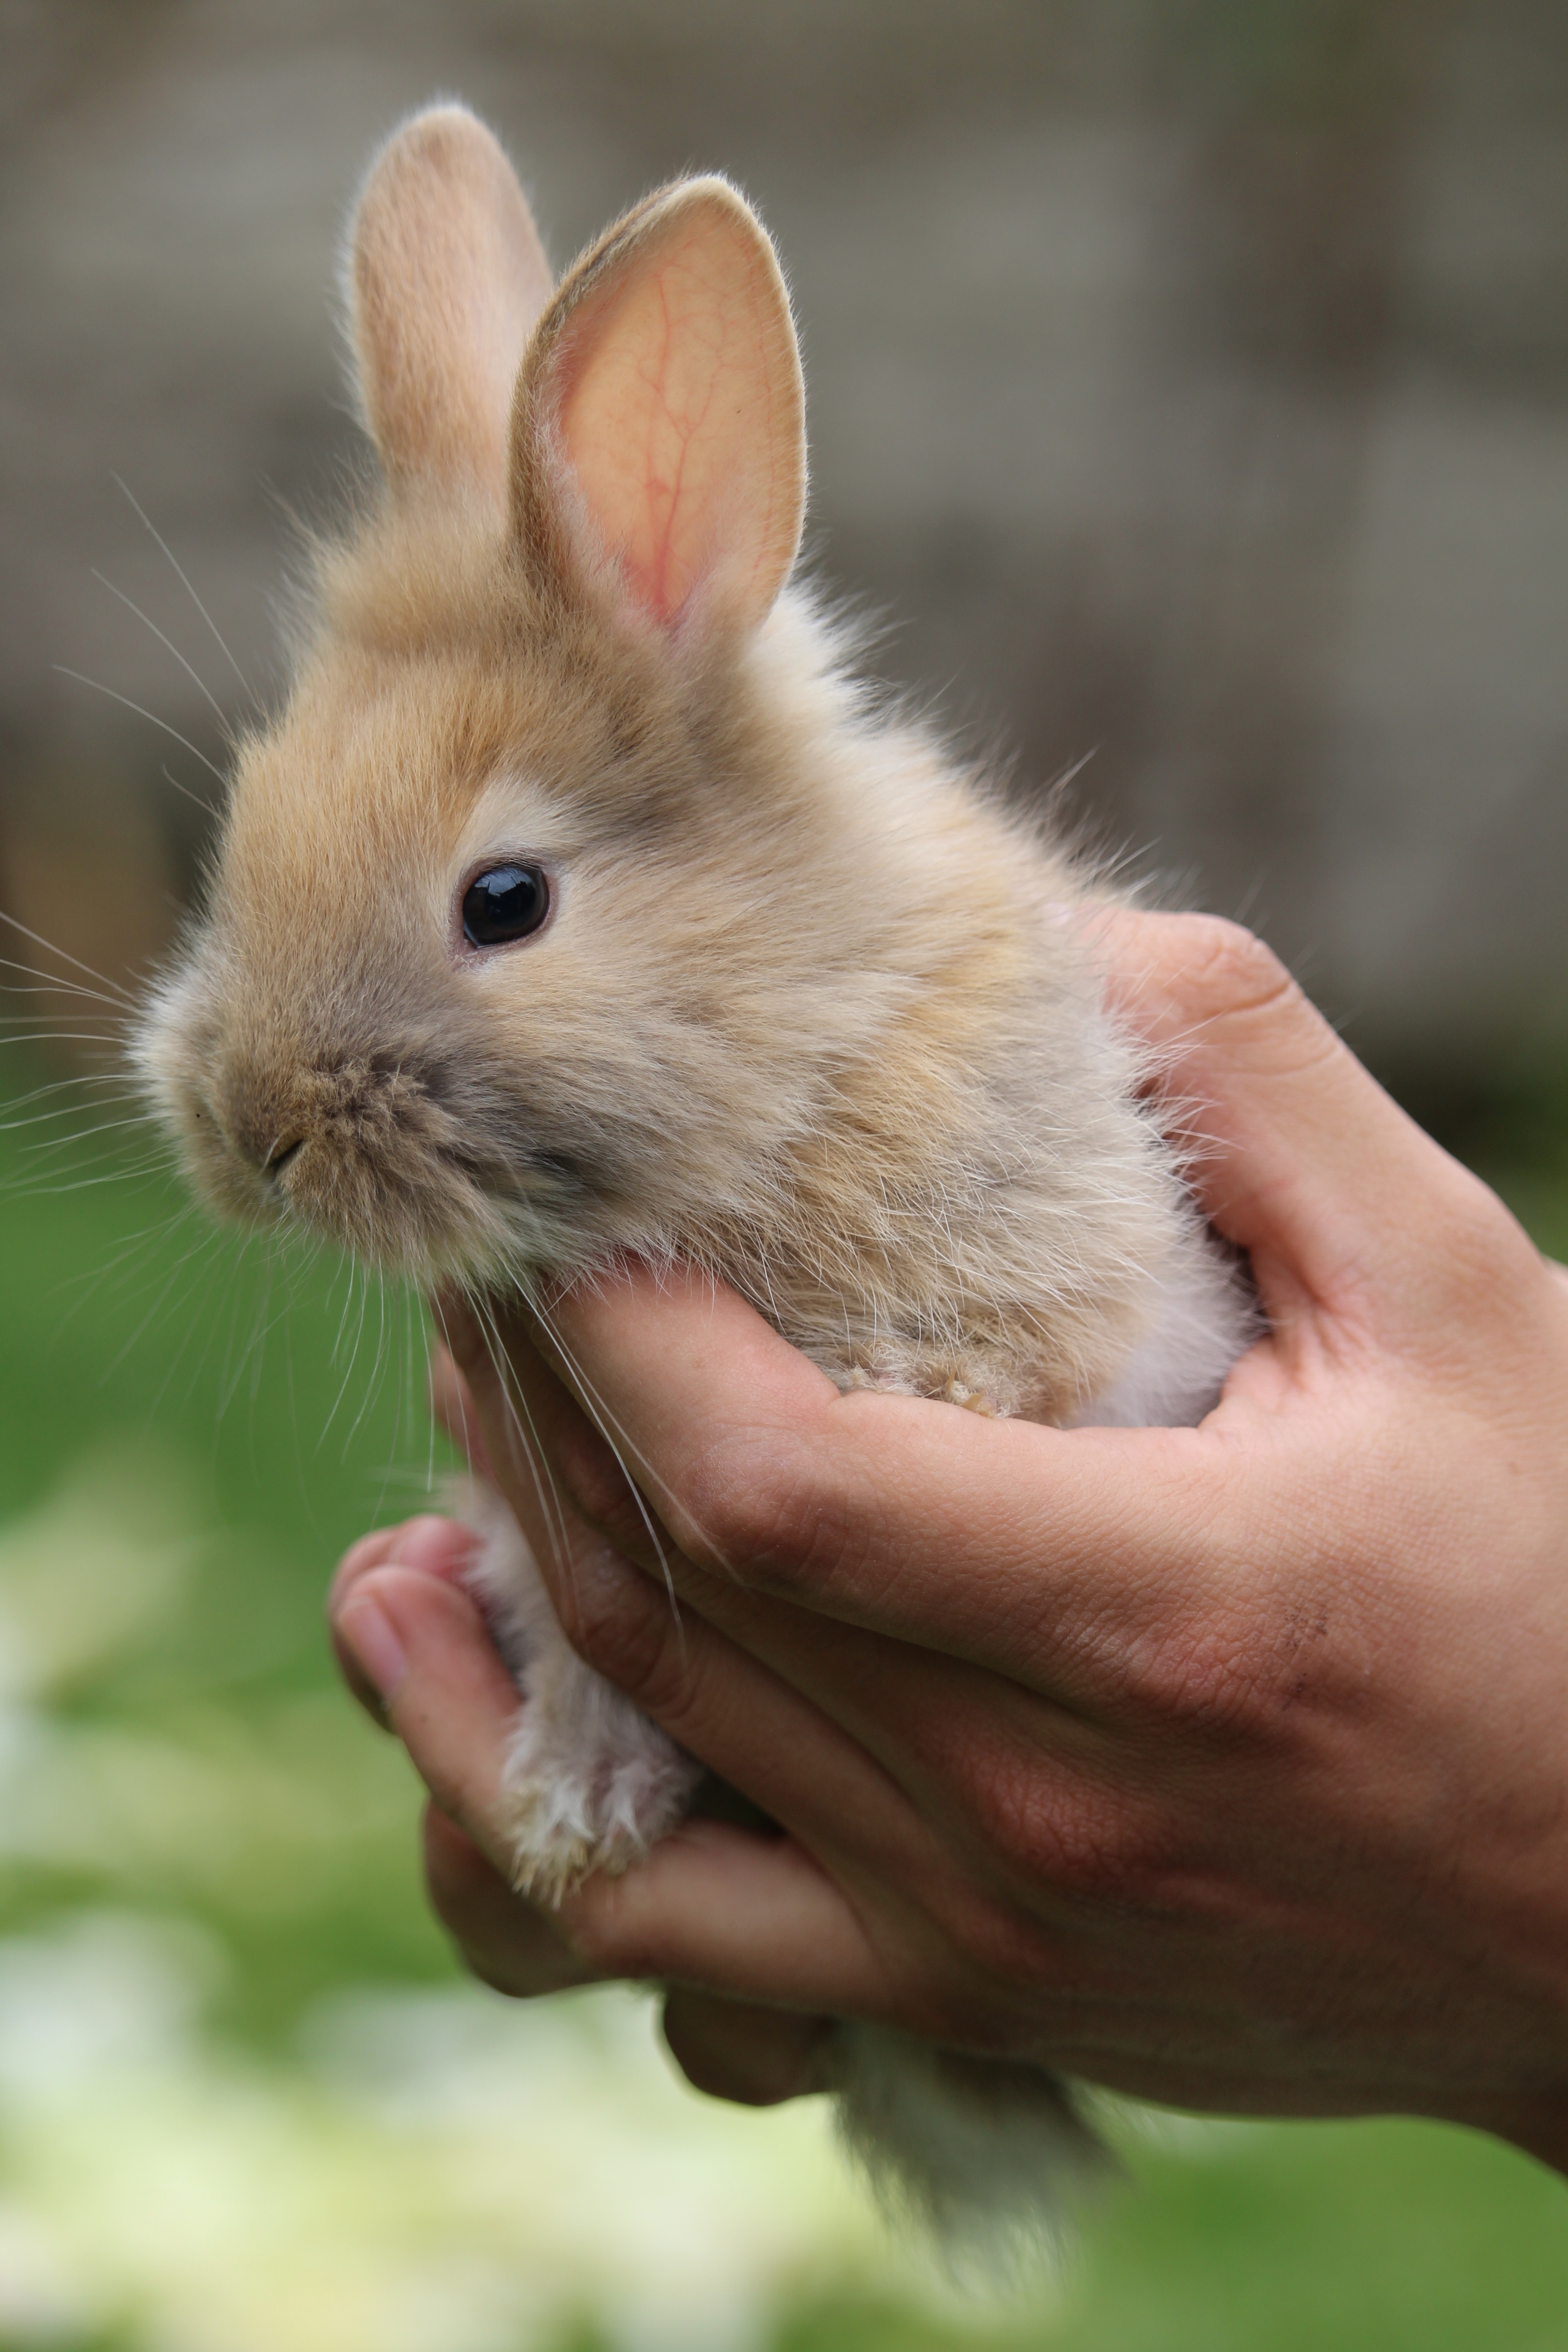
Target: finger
<point x="1306" y="1163"/>
<point x="710" y="1905"/>
<point x="1045" y="1555"/>
<point x="434" y="1544"/>
<point x="542" y="1451"/>
<point x="452" y="1410"/>
<point x="725" y="1911"/>
<point x="960" y="1742"/>
<point x="504" y="1940"/>
<point x="896" y="1703"/>
<point x="435" y="1547"/>
<point x="421" y="1644"/>
<point x="732" y="2050"/>
<point x="901" y="1703"/>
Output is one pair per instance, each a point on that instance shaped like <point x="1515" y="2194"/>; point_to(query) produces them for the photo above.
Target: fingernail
<point x="366" y="1629"/>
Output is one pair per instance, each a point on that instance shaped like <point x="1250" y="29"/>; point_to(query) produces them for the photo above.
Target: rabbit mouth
<point x="423" y="1164"/>
<point x="410" y="1172"/>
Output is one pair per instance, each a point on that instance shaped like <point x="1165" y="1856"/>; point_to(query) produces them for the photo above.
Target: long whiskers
<point x="152" y="719"/>
<point x="44" y="983"/>
<point x="552" y="1511"/>
<point x="601" y="1416"/>
<point x="148" y="622"/>
<point x="123" y="995"/>
<point x="163" y="543"/>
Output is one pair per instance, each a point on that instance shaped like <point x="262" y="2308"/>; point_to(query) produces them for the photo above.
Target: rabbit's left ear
<point x="658" y="432"/>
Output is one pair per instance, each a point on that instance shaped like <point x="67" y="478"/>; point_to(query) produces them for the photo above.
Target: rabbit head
<point x="513" y="939"/>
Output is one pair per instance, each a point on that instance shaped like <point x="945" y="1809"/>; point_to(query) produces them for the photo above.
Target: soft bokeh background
<point x="1189" y="388"/>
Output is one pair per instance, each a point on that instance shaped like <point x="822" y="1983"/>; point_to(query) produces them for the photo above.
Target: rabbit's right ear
<point x="446" y="279"/>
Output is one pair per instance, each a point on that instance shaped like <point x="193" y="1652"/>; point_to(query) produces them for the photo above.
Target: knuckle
<point x="1246" y="1683"/>
<point x="1115" y="1857"/>
<point x="758" y="1511"/>
<point x="596" y="1483"/>
<point x="1484" y="1265"/>
<point x="1214" y="1678"/>
<point x="1080" y="1840"/>
<point x="998" y="1939"/>
<point x="623" y="1628"/>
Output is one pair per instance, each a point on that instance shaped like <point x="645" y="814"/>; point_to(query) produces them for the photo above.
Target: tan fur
<point x="811" y="1009"/>
<point x="436" y="372"/>
<point x="797" y="1015"/>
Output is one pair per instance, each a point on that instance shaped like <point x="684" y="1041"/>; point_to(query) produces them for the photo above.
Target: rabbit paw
<point x="588" y="1791"/>
<point x="589" y="1781"/>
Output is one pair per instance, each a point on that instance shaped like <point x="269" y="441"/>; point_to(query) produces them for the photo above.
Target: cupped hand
<point x="521" y="1947"/>
<point x="1225" y="1766"/>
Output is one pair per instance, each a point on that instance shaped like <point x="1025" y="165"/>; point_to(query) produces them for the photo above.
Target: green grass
<point x="175" y="1380"/>
<point x="284" y="1405"/>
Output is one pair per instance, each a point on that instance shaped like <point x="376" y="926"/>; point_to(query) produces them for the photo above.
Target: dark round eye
<point x="505" y="903"/>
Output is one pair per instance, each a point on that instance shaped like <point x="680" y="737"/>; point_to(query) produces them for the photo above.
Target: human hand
<point x="1222" y="1766"/>
<point x="520" y="1947"/>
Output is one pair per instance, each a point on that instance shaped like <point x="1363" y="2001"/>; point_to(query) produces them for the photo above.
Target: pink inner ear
<point x="680" y="417"/>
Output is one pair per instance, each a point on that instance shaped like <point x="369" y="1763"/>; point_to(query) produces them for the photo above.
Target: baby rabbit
<point x="578" y="904"/>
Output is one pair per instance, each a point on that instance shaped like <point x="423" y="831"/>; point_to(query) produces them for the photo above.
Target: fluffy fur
<point x="811" y="1008"/>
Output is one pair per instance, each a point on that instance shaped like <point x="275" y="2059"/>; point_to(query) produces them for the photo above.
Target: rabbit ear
<point x="659" y="421"/>
<point x="447" y="277"/>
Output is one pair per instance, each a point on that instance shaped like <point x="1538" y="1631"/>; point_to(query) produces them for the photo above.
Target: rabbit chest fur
<point x="787" y="991"/>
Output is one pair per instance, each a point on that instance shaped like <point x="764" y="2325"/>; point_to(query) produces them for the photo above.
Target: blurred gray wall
<point x="1189" y="387"/>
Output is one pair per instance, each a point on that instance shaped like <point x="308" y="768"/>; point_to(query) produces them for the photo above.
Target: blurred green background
<point x="1188" y="384"/>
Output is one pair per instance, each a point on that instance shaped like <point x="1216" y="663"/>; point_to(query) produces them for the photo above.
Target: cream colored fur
<point x="812" y="1007"/>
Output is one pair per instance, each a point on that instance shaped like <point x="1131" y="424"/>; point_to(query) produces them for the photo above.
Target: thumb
<point x="1300" y="1157"/>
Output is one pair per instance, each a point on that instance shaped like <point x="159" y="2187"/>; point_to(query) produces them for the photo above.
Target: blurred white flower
<point x="425" y="2169"/>
<point x="436" y="2172"/>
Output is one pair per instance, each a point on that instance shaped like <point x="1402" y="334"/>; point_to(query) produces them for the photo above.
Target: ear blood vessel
<point x="580" y="903"/>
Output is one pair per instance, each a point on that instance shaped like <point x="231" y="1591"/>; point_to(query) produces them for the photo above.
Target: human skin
<point x="1226" y="1767"/>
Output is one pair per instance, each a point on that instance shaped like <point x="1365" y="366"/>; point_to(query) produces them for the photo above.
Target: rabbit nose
<point x="284" y="1152"/>
<point x="264" y="1124"/>
<point x="268" y="1149"/>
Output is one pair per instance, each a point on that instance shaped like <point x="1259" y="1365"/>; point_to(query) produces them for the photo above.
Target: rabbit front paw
<point x="587" y="1789"/>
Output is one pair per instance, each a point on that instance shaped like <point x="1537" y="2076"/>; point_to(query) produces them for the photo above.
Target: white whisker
<point x="180" y="575"/>
<point x="600" y="1415"/>
<point x="152" y="719"/>
<point x="124" y="994"/>
<point x="170" y="778"/>
<point x="198" y="682"/>
<point x="551" y="1508"/>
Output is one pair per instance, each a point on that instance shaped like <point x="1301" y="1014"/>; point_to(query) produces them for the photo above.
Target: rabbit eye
<point x="504" y="903"/>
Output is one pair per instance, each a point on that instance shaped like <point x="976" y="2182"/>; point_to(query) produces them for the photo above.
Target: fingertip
<point x="752" y="2056"/>
<point x="430" y="1544"/>
<point x="369" y="1648"/>
<point x="370" y="1552"/>
<point x="434" y="1546"/>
